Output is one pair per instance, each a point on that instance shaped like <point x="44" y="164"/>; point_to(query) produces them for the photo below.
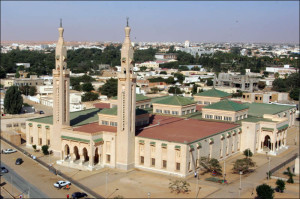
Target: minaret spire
<point x="60" y="23"/>
<point x="127" y="18"/>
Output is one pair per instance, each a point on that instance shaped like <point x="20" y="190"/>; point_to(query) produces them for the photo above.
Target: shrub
<point x="179" y="186"/>
<point x="34" y="147"/>
<point x="45" y="149"/>
<point x="264" y="191"/>
<point x="280" y="185"/>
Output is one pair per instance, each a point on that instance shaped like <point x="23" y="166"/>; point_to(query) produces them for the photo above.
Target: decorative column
<point x="81" y="158"/>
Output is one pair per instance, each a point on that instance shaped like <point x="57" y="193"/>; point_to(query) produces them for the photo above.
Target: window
<point x="218" y="117"/>
<point x="183" y="112"/>
<point x="192" y="110"/>
<point x="166" y="112"/>
<point x="113" y="123"/>
<point x="188" y="112"/>
<point x="40" y="141"/>
<point x="190" y="166"/>
<point x="152" y="161"/>
<point x="256" y="98"/>
<point x="104" y="122"/>
<point x="143" y="106"/>
<point x="142" y="159"/>
<point x="147" y="105"/>
<point x="227" y="118"/>
<point x="164" y="164"/>
<point x="108" y="158"/>
<point x="48" y="142"/>
<point x="270" y="97"/>
<point x="177" y="166"/>
<point x="205" y="102"/>
<point x="174" y="112"/>
<point x="199" y="102"/>
<point x="158" y="111"/>
<point x="237" y="118"/>
<point x="31" y="139"/>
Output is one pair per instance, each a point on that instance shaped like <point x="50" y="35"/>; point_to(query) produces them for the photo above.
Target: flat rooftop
<point x="174" y="129"/>
<point x="95" y="127"/>
<point x="259" y="109"/>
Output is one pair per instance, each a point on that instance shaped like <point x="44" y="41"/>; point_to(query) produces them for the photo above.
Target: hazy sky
<point x="198" y="21"/>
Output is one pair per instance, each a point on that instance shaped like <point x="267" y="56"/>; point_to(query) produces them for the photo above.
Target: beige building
<point x="142" y="101"/>
<point x="225" y="110"/>
<point x="210" y="96"/>
<point x="174" y="105"/>
<point x="125" y="137"/>
<point x="266" y="97"/>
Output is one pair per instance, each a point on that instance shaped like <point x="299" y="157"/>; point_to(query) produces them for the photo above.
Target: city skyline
<point x="257" y="22"/>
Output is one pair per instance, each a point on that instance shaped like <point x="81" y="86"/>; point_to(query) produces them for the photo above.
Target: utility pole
<point x="106" y="183"/>
<point x="11" y="182"/>
<point x="240" y="184"/>
<point x="224" y="170"/>
<point x="269" y="158"/>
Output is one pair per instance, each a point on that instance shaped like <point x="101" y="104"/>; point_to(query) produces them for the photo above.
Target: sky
<point x="173" y="21"/>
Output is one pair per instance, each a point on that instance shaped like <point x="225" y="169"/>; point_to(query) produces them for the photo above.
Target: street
<point x="23" y="186"/>
<point x="31" y="174"/>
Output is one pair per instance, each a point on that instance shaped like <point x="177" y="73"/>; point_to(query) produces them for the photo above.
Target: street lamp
<point x="269" y="159"/>
<point x="241" y="173"/>
<point x="224" y="170"/>
<point x="149" y="194"/>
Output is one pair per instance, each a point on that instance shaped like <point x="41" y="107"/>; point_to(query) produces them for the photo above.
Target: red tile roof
<point x="95" y="127"/>
<point x="175" y="129"/>
<point x="102" y="105"/>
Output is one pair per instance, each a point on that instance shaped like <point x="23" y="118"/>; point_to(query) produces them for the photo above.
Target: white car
<point x="62" y="183"/>
<point x="8" y="151"/>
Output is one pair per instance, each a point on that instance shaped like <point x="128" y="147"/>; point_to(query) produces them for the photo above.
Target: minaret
<point x="61" y="82"/>
<point x="126" y="106"/>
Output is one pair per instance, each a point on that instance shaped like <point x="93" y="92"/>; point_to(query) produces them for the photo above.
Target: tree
<point x="211" y="165"/>
<point x="194" y="89"/>
<point x="261" y="85"/>
<point x="32" y="91"/>
<point x="24" y="90"/>
<point x="45" y="149"/>
<point x="13" y="100"/>
<point x="264" y="191"/>
<point x="170" y="80"/>
<point x="290" y="175"/>
<point x="89" y="96"/>
<point x="154" y="90"/>
<point x="248" y="153"/>
<point x="294" y="94"/>
<point x="179" y="186"/>
<point x="34" y="147"/>
<point x="195" y="68"/>
<point x="235" y="50"/>
<point x="110" y="88"/>
<point x="243" y="165"/>
<point x="143" y="68"/>
<point x="279" y="85"/>
<point x="180" y="77"/>
<point x="163" y="72"/>
<point x="280" y="185"/>
<point x="87" y="87"/>
<point x="174" y="90"/>
<point x="266" y="74"/>
<point x="276" y="75"/>
<point x="209" y="82"/>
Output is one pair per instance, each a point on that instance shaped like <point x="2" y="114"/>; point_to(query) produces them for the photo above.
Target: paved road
<point x="21" y="184"/>
<point x="253" y="180"/>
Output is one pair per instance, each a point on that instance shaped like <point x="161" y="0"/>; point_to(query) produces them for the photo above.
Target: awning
<point x="47" y="127"/>
<point x="75" y="139"/>
<point x="177" y="147"/>
<point x="98" y="140"/>
<point x="267" y="129"/>
<point x="283" y="127"/>
<point x="164" y="145"/>
<point x="39" y="125"/>
<point x="141" y="141"/>
<point x="199" y="145"/>
<point x="152" y="143"/>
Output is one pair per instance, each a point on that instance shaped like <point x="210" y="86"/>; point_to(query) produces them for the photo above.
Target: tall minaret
<point x="61" y="82"/>
<point x="126" y="106"/>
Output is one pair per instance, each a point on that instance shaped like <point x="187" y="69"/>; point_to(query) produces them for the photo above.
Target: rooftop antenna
<point x="61" y="22"/>
<point x="127" y="18"/>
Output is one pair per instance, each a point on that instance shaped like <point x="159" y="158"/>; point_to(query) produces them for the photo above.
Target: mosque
<point x="167" y="141"/>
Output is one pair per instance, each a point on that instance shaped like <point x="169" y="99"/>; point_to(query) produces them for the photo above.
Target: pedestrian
<point x="195" y="175"/>
<point x="68" y="196"/>
<point x="67" y="187"/>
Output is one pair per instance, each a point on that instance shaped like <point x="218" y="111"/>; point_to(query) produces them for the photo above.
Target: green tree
<point x="264" y="191"/>
<point x="248" y="153"/>
<point x="209" y="82"/>
<point x="279" y="85"/>
<point x="280" y="185"/>
<point x="154" y="90"/>
<point x="34" y="147"/>
<point x="143" y="68"/>
<point x="87" y="87"/>
<point x="163" y="72"/>
<point x="174" y="90"/>
<point x="266" y="74"/>
<point x="89" y="96"/>
<point x="276" y="75"/>
<point x="179" y="186"/>
<point x="294" y="94"/>
<point x="110" y="88"/>
<point x="32" y="91"/>
<point x="171" y="49"/>
<point x="243" y="165"/>
<point x="235" y="50"/>
<point x="24" y="90"/>
<point x="195" y="68"/>
<point x="261" y="85"/>
<point x="180" y="77"/>
<point x="290" y="175"/>
<point x="194" y="89"/>
<point x="170" y="80"/>
<point x="13" y="100"/>
<point x="211" y="165"/>
<point x="45" y="149"/>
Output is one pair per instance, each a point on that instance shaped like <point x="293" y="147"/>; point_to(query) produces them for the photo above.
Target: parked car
<point x="61" y="183"/>
<point x="79" y="195"/>
<point x="4" y="170"/>
<point x="8" y="151"/>
<point x="42" y="112"/>
<point x="19" y="161"/>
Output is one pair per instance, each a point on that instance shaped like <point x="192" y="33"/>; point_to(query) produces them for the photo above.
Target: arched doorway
<point x="267" y="142"/>
<point x="96" y="158"/>
<point x="85" y="154"/>
<point x="67" y="150"/>
<point x="76" y="153"/>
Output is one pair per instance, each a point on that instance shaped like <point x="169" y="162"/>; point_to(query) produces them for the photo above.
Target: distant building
<point x="265" y="97"/>
<point x="160" y="56"/>
<point x="211" y="96"/>
<point x="242" y="82"/>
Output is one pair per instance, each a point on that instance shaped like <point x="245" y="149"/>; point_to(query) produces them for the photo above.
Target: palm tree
<point x="290" y="174"/>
